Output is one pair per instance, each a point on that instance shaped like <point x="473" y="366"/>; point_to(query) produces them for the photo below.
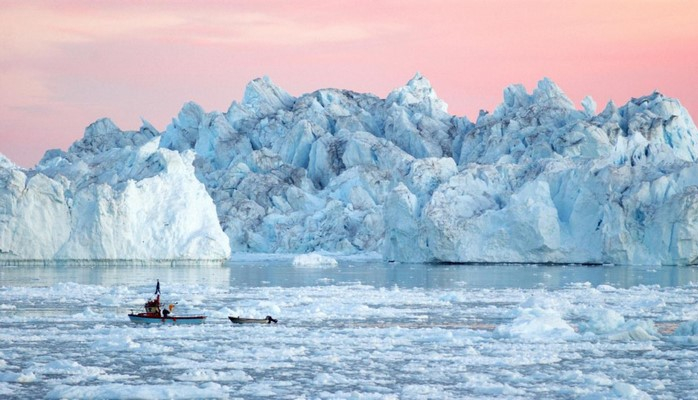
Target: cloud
<point x="265" y="29"/>
<point x="36" y="31"/>
<point x="32" y="30"/>
<point x="26" y="82"/>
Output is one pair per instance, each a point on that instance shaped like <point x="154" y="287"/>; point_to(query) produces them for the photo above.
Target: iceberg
<point x="114" y="196"/>
<point x="335" y="171"/>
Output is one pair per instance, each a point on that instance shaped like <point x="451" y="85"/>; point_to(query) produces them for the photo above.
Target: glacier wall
<point x="535" y="180"/>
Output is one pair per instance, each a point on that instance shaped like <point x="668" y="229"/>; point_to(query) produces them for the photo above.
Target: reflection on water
<point x="458" y="276"/>
<point x="114" y="274"/>
<point x="378" y="274"/>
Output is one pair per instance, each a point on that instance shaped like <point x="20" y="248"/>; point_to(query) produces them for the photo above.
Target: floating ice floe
<point x="537" y="318"/>
<point x="314" y="260"/>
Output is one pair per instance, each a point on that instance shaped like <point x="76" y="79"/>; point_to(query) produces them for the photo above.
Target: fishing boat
<point x="238" y="320"/>
<point x="155" y="314"/>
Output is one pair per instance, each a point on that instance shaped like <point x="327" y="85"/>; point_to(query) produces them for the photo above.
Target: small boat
<point x="154" y="314"/>
<point x="176" y="320"/>
<point x="267" y="320"/>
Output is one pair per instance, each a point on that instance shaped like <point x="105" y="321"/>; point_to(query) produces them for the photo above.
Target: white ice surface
<point x="348" y="340"/>
<point x="314" y="260"/>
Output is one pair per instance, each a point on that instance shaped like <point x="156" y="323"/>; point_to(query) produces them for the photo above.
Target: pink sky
<point x="64" y="64"/>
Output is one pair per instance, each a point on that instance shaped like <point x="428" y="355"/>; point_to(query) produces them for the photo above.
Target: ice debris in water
<point x="313" y="260"/>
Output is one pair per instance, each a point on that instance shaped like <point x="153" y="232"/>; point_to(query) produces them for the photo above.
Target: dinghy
<point x="267" y="320"/>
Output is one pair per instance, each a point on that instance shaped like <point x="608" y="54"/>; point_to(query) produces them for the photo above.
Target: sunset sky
<point x="64" y="64"/>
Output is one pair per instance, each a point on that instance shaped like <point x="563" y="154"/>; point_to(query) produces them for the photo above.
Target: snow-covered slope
<point x="536" y="180"/>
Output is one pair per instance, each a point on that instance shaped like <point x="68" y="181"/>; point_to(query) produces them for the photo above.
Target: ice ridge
<point x="335" y="171"/>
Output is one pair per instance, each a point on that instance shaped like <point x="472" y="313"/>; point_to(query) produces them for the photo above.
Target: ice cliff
<point x="114" y="195"/>
<point x="535" y="180"/>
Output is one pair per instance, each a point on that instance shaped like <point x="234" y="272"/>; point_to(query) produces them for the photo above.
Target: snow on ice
<point x="340" y="172"/>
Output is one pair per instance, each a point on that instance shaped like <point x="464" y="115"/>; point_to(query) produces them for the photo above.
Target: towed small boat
<point x="154" y="314"/>
<point x="267" y="320"/>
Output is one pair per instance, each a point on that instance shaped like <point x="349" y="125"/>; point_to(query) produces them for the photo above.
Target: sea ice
<point x="345" y="338"/>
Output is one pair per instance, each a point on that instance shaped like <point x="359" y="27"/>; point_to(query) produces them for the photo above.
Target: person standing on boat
<point x="157" y="287"/>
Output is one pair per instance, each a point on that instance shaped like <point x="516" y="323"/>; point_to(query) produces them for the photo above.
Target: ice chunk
<point x="313" y="260"/>
<point x="537" y="319"/>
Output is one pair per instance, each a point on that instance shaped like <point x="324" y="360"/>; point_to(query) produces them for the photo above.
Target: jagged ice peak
<point x="344" y="172"/>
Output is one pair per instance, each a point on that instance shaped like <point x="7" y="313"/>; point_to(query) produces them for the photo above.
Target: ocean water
<point x="359" y="330"/>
